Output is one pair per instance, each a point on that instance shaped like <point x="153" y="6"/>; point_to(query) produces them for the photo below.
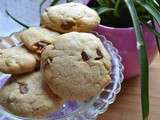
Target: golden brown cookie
<point x="76" y="66"/>
<point x="36" y="38"/>
<point x="70" y="17"/>
<point x="16" y="60"/>
<point x="27" y="96"/>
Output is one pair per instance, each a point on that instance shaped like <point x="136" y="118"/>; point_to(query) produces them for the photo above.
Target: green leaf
<point x="101" y="2"/>
<point x="69" y="1"/>
<point x="40" y="7"/>
<point x="152" y="10"/>
<point x="157" y="1"/>
<point x="116" y="8"/>
<point x="101" y="10"/>
<point x="143" y="59"/>
<point x="156" y="33"/>
<point x="17" y="21"/>
<point x="113" y="1"/>
<point x="153" y="30"/>
<point x="154" y="4"/>
<point x="54" y="2"/>
<point x="104" y="2"/>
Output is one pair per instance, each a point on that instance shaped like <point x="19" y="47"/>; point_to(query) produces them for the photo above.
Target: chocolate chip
<point x="66" y="25"/>
<point x="98" y="58"/>
<point x="84" y="55"/>
<point x="37" y="108"/>
<point x="23" y="88"/>
<point x="99" y="53"/>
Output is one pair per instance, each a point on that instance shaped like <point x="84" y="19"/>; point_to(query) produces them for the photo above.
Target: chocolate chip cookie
<point x="16" y="60"/>
<point x="76" y="66"/>
<point x="70" y="17"/>
<point x="36" y="38"/>
<point x="27" y="96"/>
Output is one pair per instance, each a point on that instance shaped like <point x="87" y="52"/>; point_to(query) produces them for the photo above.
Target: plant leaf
<point x="152" y="10"/>
<point x="101" y="10"/>
<point x="154" y="3"/>
<point x="103" y="2"/>
<point x="157" y="1"/>
<point x="54" y="2"/>
<point x="17" y="21"/>
<point x="156" y="33"/>
<point x="40" y="6"/>
<point x="143" y="59"/>
<point x="153" y="30"/>
<point x="69" y="1"/>
<point x="116" y="8"/>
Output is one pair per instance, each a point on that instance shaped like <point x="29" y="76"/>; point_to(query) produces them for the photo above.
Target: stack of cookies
<point x="57" y="62"/>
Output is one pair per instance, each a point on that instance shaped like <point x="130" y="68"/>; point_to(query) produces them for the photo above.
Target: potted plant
<point x="116" y="25"/>
<point x="133" y="27"/>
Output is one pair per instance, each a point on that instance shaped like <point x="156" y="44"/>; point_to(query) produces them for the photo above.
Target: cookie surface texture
<point x="28" y="97"/>
<point x="70" y="17"/>
<point x="35" y="38"/>
<point x="16" y="60"/>
<point x="76" y="66"/>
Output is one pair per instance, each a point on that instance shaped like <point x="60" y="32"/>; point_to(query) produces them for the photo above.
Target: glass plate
<point x="23" y="10"/>
<point x="74" y="110"/>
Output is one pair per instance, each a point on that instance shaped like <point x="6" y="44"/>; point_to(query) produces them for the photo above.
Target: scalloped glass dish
<point x="74" y="110"/>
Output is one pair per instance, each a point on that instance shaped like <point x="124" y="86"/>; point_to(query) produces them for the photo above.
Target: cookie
<point x="70" y="17"/>
<point x="28" y="97"/>
<point x="16" y="60"/>
<point x="36" y="38"/>
<point x="76" y="66"/>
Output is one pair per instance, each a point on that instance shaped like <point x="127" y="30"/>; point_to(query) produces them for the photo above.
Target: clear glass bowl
<point x="74" y="110"/>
